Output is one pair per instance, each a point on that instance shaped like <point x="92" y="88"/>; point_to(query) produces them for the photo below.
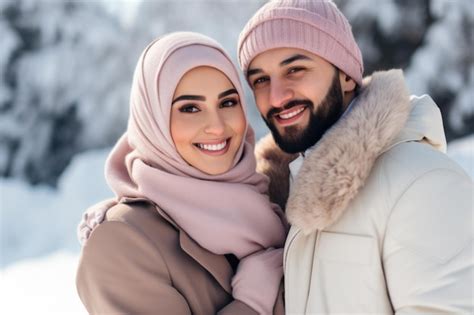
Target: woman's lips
<point x="214" y="147"/>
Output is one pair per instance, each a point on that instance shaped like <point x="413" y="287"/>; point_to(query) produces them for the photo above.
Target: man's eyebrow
<point x="189" y="97"/>
<point x="294" y="58"/>
<point x="253" y="72"/>
<point x="228" y="92"/>
<point x="283" y="63"/>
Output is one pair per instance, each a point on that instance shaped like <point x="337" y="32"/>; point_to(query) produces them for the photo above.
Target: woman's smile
<point x="214" y="148"/>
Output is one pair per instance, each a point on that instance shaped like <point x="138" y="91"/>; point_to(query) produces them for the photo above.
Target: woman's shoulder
<point x="133" y="213"/>
<point x="120" y="257"/>
<point x="130" y="234"/>
<point x="139" y="218"/>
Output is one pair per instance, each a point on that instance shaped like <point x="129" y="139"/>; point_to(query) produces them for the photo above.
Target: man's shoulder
<point x="431" y="211"/>
<point x="408" y="161"/>
<point x="409" y="170"/>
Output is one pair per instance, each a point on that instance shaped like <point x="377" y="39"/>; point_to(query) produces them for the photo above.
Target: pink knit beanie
<point x="316" y="26"/>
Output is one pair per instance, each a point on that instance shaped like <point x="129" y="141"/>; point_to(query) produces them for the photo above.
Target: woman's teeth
<point x="213" y="147"/>
<point x="291" y="114"/>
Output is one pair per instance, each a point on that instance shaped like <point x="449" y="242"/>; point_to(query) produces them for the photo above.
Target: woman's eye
<point x="259" y="81"/>
<point x="229" y="102"/>
<point x="189" y="109"/>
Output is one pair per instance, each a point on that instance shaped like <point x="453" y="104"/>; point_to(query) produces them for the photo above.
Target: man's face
<point x="298" y="94"/>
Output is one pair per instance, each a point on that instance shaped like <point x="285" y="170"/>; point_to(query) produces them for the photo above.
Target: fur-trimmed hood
<point x="337" y="167"/>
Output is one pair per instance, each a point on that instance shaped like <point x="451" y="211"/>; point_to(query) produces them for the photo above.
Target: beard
<point x="296" y="139"/>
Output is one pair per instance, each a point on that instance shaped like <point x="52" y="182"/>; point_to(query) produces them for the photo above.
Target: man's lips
<point x="291" y="115"/>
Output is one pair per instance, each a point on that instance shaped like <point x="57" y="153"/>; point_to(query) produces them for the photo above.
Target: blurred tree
<point x="66" y="66"/>
<point x="431" y="40"/>
<point x="55" y="100"/>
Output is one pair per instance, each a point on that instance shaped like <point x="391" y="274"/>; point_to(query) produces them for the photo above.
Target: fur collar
<point x="336" y="169"/>
<point x="274" y="162"/>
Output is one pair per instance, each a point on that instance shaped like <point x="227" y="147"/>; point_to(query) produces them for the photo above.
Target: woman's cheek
<point x="183" y="129"/>
<point x="239" y="122"/>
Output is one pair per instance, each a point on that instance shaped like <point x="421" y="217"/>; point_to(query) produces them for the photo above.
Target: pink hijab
<point x="226" y="213"/>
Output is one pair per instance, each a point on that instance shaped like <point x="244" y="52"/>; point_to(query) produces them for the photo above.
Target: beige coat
<point x="139" y="262"/>
<point x="382" y="220"/>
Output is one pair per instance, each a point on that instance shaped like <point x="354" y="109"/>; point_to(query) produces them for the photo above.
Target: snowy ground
<point x="41" y="286"/>
<point x="39" y="220"/>
<point x="39" y="250"/>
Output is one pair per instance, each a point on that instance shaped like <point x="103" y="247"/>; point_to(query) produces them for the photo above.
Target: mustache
<point x="275" y="111"/>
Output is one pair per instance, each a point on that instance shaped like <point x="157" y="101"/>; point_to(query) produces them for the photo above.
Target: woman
<point x="192" y="230"/>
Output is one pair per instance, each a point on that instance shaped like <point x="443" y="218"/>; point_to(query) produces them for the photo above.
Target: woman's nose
<point x="215" y="124"/>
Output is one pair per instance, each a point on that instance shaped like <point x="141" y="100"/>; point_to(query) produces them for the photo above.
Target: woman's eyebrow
<point x="189" y="98"/>
<point x="228" y="92"/>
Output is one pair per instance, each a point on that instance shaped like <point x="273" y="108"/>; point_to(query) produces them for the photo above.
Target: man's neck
<point x="348" y="97"/>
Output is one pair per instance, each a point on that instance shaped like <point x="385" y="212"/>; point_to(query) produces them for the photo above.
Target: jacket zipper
<point x="289" y="245"/>
<point x="316" y="245"/>
<point x="285" y="260"/>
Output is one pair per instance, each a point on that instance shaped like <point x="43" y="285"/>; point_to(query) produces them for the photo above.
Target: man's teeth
<point x="291" y="114"/>
<point x="213" y="147"/>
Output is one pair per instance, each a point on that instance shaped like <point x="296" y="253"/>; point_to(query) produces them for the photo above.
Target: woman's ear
<point x="348" y="85"/>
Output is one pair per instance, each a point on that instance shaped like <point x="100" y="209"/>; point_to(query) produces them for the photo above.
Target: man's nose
<point x="280" y="94"/>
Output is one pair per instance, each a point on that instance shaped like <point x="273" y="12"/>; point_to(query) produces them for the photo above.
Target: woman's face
<point x="207" y="120"/>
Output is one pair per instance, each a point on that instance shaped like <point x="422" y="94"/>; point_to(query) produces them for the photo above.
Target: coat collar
<point x="337" y="167"/>
<point x="216" y="265"/>
<point x="425" y="123"/>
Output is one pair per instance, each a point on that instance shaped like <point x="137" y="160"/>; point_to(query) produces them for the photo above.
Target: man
<point x="381" y="217"/>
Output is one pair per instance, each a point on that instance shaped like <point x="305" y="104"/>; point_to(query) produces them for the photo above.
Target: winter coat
<point x="381" y="224"/>
<point x="138" y="261"/>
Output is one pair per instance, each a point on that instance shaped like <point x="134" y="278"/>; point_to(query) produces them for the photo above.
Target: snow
<point x="41" y="286"/>
<point x="39" y="220"/>
<point x="9" y="43"/>
<point x="67" y="71"/>
<point x="462" y="151"/>
<point x="444" y="63"/>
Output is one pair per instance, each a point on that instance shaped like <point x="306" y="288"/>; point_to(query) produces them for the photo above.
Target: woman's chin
<point x="215" y="169"/>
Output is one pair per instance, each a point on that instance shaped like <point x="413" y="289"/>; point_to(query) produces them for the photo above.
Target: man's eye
<point x="231" y="102"/>
<point x="260" y="81"/>
<point x="295" y="69"/>
<point x="189" y="109"/>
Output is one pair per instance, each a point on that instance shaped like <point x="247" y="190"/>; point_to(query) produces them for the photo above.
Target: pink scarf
<point x="227" y="213"/>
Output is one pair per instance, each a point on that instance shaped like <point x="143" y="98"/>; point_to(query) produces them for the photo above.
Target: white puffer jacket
<point x="382" y="219"/>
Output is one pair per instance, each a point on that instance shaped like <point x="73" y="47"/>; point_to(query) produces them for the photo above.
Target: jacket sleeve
<point x="428" y="246"/>
<point x="122" y="272"/>
<point x="237" y="307"/>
